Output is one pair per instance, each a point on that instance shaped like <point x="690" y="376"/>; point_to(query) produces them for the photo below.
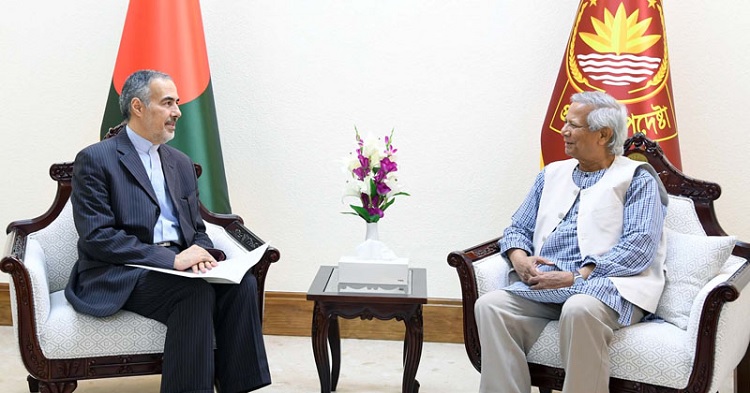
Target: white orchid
<point x="372" y="148"/>
<point x="350" y="163"/>
<point x="391" y="180"/>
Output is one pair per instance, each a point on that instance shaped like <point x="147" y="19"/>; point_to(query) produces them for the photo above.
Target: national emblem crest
<point x="622" y="51"/>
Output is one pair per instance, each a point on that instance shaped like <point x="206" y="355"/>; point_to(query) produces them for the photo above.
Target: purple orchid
<point x="388" y="166"/>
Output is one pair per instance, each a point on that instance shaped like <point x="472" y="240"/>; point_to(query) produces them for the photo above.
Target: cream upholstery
<point x="65" y="334"/>
<point x="656" y="352"/>
<point x="692" y="261"/>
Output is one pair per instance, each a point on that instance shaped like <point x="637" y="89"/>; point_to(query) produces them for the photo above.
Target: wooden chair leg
<point x="58" y="387"/>
<point x="742" y="375"/>
<point x="33" y="384"/>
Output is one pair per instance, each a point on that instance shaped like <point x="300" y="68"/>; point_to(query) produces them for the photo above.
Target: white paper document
<point x="229" y="271"/>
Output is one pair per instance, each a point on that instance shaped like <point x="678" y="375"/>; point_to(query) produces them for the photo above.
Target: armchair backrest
<point x="58" y="241"/>
<point x="683" y="189"/>
<point x="701" y="193"/>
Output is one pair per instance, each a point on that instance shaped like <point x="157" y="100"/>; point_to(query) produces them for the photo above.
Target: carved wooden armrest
<point x="463" y="262"/>
<point x="721" y="294"/>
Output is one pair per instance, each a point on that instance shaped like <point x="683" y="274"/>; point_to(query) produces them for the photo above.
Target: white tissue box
<point x="367" y="275"/>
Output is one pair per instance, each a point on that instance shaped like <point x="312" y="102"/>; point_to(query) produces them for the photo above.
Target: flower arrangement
<point x="372" y="168"/>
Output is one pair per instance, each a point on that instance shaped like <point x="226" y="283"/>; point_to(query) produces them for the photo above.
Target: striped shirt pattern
<point x="643" y="220"/>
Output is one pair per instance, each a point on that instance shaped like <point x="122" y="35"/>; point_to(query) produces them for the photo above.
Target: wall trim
<point x="5" y="318"/>
<point x="290" y="314"/>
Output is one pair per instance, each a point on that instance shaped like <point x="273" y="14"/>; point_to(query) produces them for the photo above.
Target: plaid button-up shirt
<point x="643" y="220"/>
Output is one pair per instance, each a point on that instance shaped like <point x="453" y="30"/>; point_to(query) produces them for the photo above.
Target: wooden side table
<point x="331" y="304"/>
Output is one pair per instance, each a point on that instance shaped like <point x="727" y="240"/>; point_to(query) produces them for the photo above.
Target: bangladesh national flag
<point x="167" y="36"/>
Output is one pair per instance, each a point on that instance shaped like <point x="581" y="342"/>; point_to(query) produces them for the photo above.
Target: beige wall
<point x="465" y="84"/>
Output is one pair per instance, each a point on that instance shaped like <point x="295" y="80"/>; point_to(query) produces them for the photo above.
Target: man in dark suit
<point x="135" y="201"/>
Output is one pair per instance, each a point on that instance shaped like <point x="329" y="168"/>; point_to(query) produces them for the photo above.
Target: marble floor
<point x="367" y="366"/>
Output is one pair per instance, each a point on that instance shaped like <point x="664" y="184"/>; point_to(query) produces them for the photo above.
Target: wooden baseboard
<point x="290" y="314"/>
<point x="5" y="315"/>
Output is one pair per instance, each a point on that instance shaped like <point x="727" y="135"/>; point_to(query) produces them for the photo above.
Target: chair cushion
<point x="691" y="262"/>
<point x="649" y="352"/>
<point x="681" y="216"/>
<point x="67" y="334"/>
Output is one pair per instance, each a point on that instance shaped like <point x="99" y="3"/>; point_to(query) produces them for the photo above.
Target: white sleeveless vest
<point x="600" y="220"/>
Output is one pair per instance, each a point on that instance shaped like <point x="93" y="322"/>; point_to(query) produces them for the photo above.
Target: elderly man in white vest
<point x="586" y="247"/>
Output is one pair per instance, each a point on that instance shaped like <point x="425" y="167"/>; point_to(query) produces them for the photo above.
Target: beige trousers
<point x="509" y="325"/>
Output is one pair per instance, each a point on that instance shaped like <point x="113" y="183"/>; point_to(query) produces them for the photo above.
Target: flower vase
<point x="372" y="231"/>
<point x="372" y="248"/>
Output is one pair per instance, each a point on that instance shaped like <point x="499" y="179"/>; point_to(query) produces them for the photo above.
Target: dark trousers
<point x="195" y="313"/>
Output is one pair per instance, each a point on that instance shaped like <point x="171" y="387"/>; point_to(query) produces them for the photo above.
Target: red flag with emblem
<point x="619" y="47"/>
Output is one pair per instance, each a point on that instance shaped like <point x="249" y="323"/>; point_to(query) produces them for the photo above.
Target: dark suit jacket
<point x="115" y="210"/>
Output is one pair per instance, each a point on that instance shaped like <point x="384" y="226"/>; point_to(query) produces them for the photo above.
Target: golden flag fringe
<point x="619" y="47"/>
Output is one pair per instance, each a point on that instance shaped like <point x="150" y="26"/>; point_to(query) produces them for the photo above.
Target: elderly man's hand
<point x="526" y="266"/>
<point x="551" y="280"/>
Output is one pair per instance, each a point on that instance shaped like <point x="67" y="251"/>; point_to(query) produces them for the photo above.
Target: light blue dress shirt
<point x="167" y="226"/>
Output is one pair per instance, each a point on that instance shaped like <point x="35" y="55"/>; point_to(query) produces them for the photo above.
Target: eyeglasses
<point x="573" y="126"/>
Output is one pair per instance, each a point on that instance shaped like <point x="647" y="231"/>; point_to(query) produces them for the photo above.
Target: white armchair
<point x="703" y="334"/>
<point x="60" y="346"/>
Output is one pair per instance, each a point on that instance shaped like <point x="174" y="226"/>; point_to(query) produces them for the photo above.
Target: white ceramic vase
<point x="372" y="231"/>
<point x="372" y="248"/>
